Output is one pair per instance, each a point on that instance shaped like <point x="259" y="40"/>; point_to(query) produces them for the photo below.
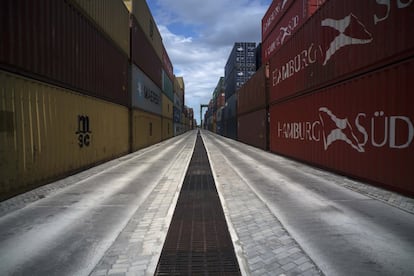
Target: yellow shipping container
<point x="47" y="132"/>
<point x="143" y="15"/>
<point x="167" y="107"/>
<point x="111" y="17"/>
<point x="167" y="128"/>
<point x="146" y="129"/>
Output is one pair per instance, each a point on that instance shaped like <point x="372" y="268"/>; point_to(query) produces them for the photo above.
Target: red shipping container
<point x="144" y="55"/>
<point x="221" y="100"/>
<point x="166" y="62"/>
<point x="252" y="95"/>
<point x="293" y="18"/>
<point x="273" y="15"/>
<point x="252" y="128"/>
<point x="343" y="39"/>
<point x="363" y="127"/>
<point x="53" y="42"/>
<point x="277" y="11"/>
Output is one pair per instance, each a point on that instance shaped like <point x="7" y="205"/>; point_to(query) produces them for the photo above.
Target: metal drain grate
<point x="198" y="241"/>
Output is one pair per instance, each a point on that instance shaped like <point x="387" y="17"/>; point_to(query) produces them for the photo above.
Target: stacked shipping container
<point x="70" y="97"/>
<point x="282" y="20"/>
<point x="362" y="127"/>
<point x="339" y="92"/>
<point x="154" y="110"/>
<point x="252" y="111"/>
<point x="59" y="70"/>
<point x="53" y="42"/>
<point x="336" y="91"/>
<point x="344" y="39"/>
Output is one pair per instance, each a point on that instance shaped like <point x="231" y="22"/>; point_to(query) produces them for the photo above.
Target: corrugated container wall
<point x="177" y="102"/>
<point x="341" y="40"/>
<point x="278" y="10"/>
<point x="231" y="106"/>
<point x="179" y="89"/>
<point x="51" y="41"/>
<point x="252" y="95"/>
<point x="252" y="128"/>
<point x="168" y="67"/>
<point x="176" y="115"/>
<point x="167" y="86"/>
<point x="221" y="100"/>
<point x="167" y="107"/>
<point x="363" y="127"/>
<point x="146" y="129"/>
<point x="167" y="128"/>
<point x="259" y="60"/>
<point x="291" y="21"/>
<point x="240" y="66"/>
<point x="273" y="15"/>
<point x="145" y="94"/>
<point x="144" y="55"/>
<point x="47" y="132"/>
<point x="229" y="117"/>
<point x="142" y="14"/>
<point x="229" y="128"/>
<point x="112" y="17"/>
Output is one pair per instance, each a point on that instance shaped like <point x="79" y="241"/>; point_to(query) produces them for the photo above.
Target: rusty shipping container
<point x="146" y="95"/>
<point x="277" y="10"/>
<point x="221" y="100"/>
<point x="112" y="17"/>
<point x="145" y="20"/>
<point x="47" y="132"/>
<point x="252" y="128"/>
<point x="343" y="39"/>
<point x="146" y="129"/>
<point x="144" y="55"/>
<point x="272" y="16"/>
<point x="166" y="62"/>
<point x="52" y="41"/>
<point x="253" y="94"/>
<point x="290" y="21"/>
<point x="363" y="127"/>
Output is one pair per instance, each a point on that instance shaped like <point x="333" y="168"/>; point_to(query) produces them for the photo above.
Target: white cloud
<point x="201" y="54"/>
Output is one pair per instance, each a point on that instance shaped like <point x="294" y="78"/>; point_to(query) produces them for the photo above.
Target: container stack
<point x="147" y="78"/>
<point x="82" y="82"/>
<point x="62" y="63"/>
<point x="213" y="116"/>
<point x="334" y="90"/>
<point x="178" y="112"/>
<point x="282" y="20"/>
<point x="340" y="92"/>
<point x="252" y="127"/>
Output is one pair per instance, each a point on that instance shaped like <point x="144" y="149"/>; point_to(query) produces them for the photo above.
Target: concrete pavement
<point x="273" y="234"/>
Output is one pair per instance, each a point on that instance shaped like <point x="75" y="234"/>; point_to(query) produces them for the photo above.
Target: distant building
<point x="240" y="66"/>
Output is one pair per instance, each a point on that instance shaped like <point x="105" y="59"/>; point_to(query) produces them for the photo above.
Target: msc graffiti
<point x="83" y="133"/>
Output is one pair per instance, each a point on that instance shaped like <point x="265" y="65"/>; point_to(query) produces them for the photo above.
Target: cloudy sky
<point x="199" y="36"/>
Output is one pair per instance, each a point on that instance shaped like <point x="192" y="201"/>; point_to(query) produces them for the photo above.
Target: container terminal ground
<point x="283" y="217"/>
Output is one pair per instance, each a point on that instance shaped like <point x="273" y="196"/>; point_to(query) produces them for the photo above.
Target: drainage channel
<point x="198" y="240"/>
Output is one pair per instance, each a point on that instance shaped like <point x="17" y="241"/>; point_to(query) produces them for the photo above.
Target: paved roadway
<point x="284" y="217"/>
<point x="343" y="232"/>
<point x="67" y="233"/>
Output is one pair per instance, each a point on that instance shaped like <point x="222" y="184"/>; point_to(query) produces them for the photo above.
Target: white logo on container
<point x="377" y="130"/>
<point x="342" y="131"/>
<point x="343" y="39"/>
